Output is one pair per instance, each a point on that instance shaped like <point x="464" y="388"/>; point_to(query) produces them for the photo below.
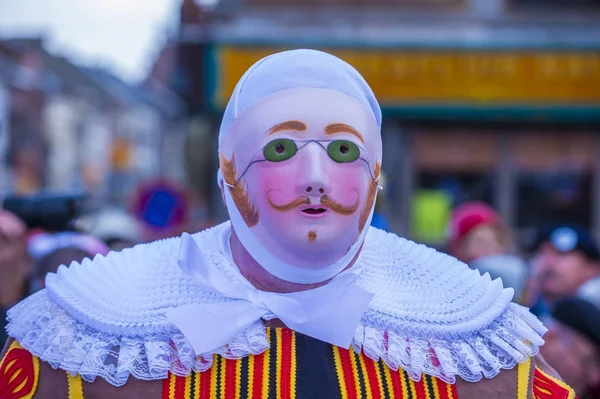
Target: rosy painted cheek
<point x="348" y="183"/>
<point x="278" y="180"/>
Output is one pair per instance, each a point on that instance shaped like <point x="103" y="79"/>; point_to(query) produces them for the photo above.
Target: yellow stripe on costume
<point x="523" y="372"/>
<point x="250" y="375"/>
<point x="355" y="373"/>
<point x="278" y="364"/>
<point x="187" y="386"/>
<point x="450" y="393"/>
<point x="405" y="387"/>
<point x="436" y="391"/>
<point x="266" y="369"/>
<point x="197" y="384"/>
<point x="293" y="368"/>
<point x="238" y="379"/>
<point x="75" y="386"/>
<point x="339" y="370"/>
<point x="379" y="379"/>
<point x="172" y="383"/>
<point x="223" y="376"/>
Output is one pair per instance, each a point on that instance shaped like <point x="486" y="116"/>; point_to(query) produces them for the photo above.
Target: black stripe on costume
<point x="386" y="390"/>
<point x="408" y="393"/>
<point x="192" y="378"/>
<point x="220" y="375"/>
<point x="273" y="366"/>
<point x="315" y="369"/>
<point x="361" y="375"/>
<point x="243" y="387"/>
<point x="429" y="384"/>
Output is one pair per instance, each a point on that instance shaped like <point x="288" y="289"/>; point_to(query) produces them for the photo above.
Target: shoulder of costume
<point x="433" y="314"/>
<point x="106" y="317"/>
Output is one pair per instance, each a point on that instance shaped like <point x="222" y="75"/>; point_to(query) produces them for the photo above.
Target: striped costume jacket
<point x="295" y="367"/>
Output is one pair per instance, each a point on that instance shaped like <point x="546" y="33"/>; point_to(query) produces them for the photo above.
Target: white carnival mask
<point x="300" y="168"/>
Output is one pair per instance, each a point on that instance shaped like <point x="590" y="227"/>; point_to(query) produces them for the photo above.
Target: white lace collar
<point x="430" y="314"/>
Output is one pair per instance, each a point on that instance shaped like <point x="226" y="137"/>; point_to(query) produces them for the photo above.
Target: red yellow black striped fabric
<point x="547" y="387"/>
<point x="299" y="367"/>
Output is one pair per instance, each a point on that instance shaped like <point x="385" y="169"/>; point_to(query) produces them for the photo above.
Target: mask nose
<point x="313" y="181"/>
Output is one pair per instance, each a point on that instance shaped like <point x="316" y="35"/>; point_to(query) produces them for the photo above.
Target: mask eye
<point x="343" y="151"/>
<point x="280" y="150"/>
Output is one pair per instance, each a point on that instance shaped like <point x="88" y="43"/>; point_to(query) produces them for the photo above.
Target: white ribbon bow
<point x="329" y="313"/>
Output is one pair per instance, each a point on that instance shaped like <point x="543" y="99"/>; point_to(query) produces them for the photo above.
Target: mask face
<point x="301" y="166"/>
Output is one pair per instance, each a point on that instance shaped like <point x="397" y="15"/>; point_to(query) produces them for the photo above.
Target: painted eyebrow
<point x="288" y="125"/>
<point x="343" y="128"/>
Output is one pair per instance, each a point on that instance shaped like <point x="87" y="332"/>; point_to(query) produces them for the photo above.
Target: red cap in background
<point x="466" y="217"/>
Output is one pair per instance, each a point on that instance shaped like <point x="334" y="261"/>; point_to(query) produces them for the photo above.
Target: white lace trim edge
<point x="49" y="333"/>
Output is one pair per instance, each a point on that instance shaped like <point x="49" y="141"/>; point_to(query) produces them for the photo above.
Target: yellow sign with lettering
<point x="413" y="77"/>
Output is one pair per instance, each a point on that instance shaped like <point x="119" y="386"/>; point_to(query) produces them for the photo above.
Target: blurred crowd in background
<point x="491" y="138"/>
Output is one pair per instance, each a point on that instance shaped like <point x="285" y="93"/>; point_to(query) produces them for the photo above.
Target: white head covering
<point x="295" y="69"/>
<point x="292" y="70"/>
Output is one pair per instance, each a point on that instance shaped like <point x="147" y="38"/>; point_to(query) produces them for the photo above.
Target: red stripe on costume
<point x="286" y="366"/>
<point x="373" y="380"/>
<point x="180" y="388"/>
<point x="545" y="387"/>
<point x="230" y="379"/>
<point x="348" y="374"/>
<point x="396" y="383"/>
<point x="166" y="387"/>
<point x="421" y="388"/>
<point x="205" y="380"/>
<point x="442" y="388"/>
<point x="257" y="376"/>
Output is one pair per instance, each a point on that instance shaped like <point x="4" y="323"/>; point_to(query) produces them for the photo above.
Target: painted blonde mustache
<point x="325" y="200"/>
<point x="339" y="208"/>
<point x="290" y="205"/>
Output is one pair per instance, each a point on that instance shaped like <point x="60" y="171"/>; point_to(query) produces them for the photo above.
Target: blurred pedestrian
<point x="573" y="345"/>
<point x="480" y="238"/>
<point x="566" y="260"/>
<point x="477" y="230"/>
<point x="50" y="251"/>
<point x="117" y="228"/>
<point x="15" y="266"/>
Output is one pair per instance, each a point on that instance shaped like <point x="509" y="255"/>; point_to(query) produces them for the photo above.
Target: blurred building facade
<point x="71" y="127"/>
<point x="494" y="100"/>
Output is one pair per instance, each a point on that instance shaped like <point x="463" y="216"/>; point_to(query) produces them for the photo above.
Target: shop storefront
<point x="518" y="128"/>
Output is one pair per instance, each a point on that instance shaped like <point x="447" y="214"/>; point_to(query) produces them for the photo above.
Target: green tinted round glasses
<point x="340" y="151"/>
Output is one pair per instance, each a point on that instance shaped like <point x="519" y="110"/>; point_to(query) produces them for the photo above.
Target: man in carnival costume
<point x="296" y="296"/>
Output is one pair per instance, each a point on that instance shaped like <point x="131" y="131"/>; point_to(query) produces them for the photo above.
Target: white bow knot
<point x="330" y="313"/>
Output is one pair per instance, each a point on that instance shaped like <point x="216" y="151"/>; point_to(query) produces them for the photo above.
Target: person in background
<point x="566" y="262"/>
<point x="480" y="238"/>
<point x="380" y="220"/>
<point x="477" y="230"/>
<point x="49" y="251"/>
<point x="15" y="266"/>
<point x="117" y="228"/>
<point x="573" y="345"/>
